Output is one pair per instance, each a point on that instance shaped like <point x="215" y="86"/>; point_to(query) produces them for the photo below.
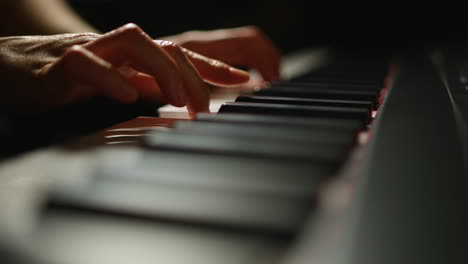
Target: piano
<point x="358" y="158"/>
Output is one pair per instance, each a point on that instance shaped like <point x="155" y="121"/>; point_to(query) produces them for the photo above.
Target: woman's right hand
<point x="42" y="72"/>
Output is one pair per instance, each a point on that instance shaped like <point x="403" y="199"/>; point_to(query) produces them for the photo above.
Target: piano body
<point x="362" y="160"/>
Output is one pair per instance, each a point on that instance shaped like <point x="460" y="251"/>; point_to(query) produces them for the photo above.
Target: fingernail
<point x="236" y="71"/>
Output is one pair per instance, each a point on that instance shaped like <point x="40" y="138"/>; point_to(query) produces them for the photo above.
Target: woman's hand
<point x="243" y="46"/>
<point x="41" y="72"/>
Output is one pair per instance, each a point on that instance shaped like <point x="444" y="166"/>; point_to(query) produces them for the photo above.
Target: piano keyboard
<point x="256" y="164"/>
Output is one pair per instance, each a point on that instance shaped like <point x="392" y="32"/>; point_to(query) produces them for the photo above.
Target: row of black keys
<point x="254" y="165"/>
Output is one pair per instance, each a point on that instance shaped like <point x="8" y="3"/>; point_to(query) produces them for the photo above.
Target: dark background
<point x="357" y="25"/>
<point x="292" y="24"/>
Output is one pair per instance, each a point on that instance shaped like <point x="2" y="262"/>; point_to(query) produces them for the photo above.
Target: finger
<point x="129" y="44"/>
<point x="216" y="72"/>
<point x="245" y="52"/>
<point x="79" y="66"/>
<point x="147" y="87"/>
<point x="258" y="54"/>
<point x="261" y="51"/>
<point x="245" y="46"/>
<point x="198" y="92"/>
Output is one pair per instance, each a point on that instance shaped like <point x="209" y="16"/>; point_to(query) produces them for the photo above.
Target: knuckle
<point x="74" y="56"/>
<point x="78" y="38"/>
<point x="131" y="29"/>
<point x="73" y="53"/>
<point x="75" y="49"/>
<point x="131" y="26"/>
<point x="252" y="30"/>
<point x="170" y="46"/>
<point x="88" y="37"/>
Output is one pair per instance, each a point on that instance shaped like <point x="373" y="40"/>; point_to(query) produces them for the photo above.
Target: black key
<point x="270" y="132"/>
<point x="303" y="92"/>
<point x="224" y="191"/>
<point x="327" y="85"/>
<point x="337" y="79"/>
<point x="303" y="101"/>
<point x="361" y="114"/>
<point x="324" y="153"/>
<point x="286" y="121"/>
<point x="359" y="74"/>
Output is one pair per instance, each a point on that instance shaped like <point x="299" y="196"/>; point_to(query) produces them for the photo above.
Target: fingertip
<point x="178" y="104"/>
<point x="242" y="76"/>
<point x="194" y="109"/>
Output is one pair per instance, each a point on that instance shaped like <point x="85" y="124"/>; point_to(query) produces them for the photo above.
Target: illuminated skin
<point x="246" y="46"/>
<point x="124" y="64"/>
